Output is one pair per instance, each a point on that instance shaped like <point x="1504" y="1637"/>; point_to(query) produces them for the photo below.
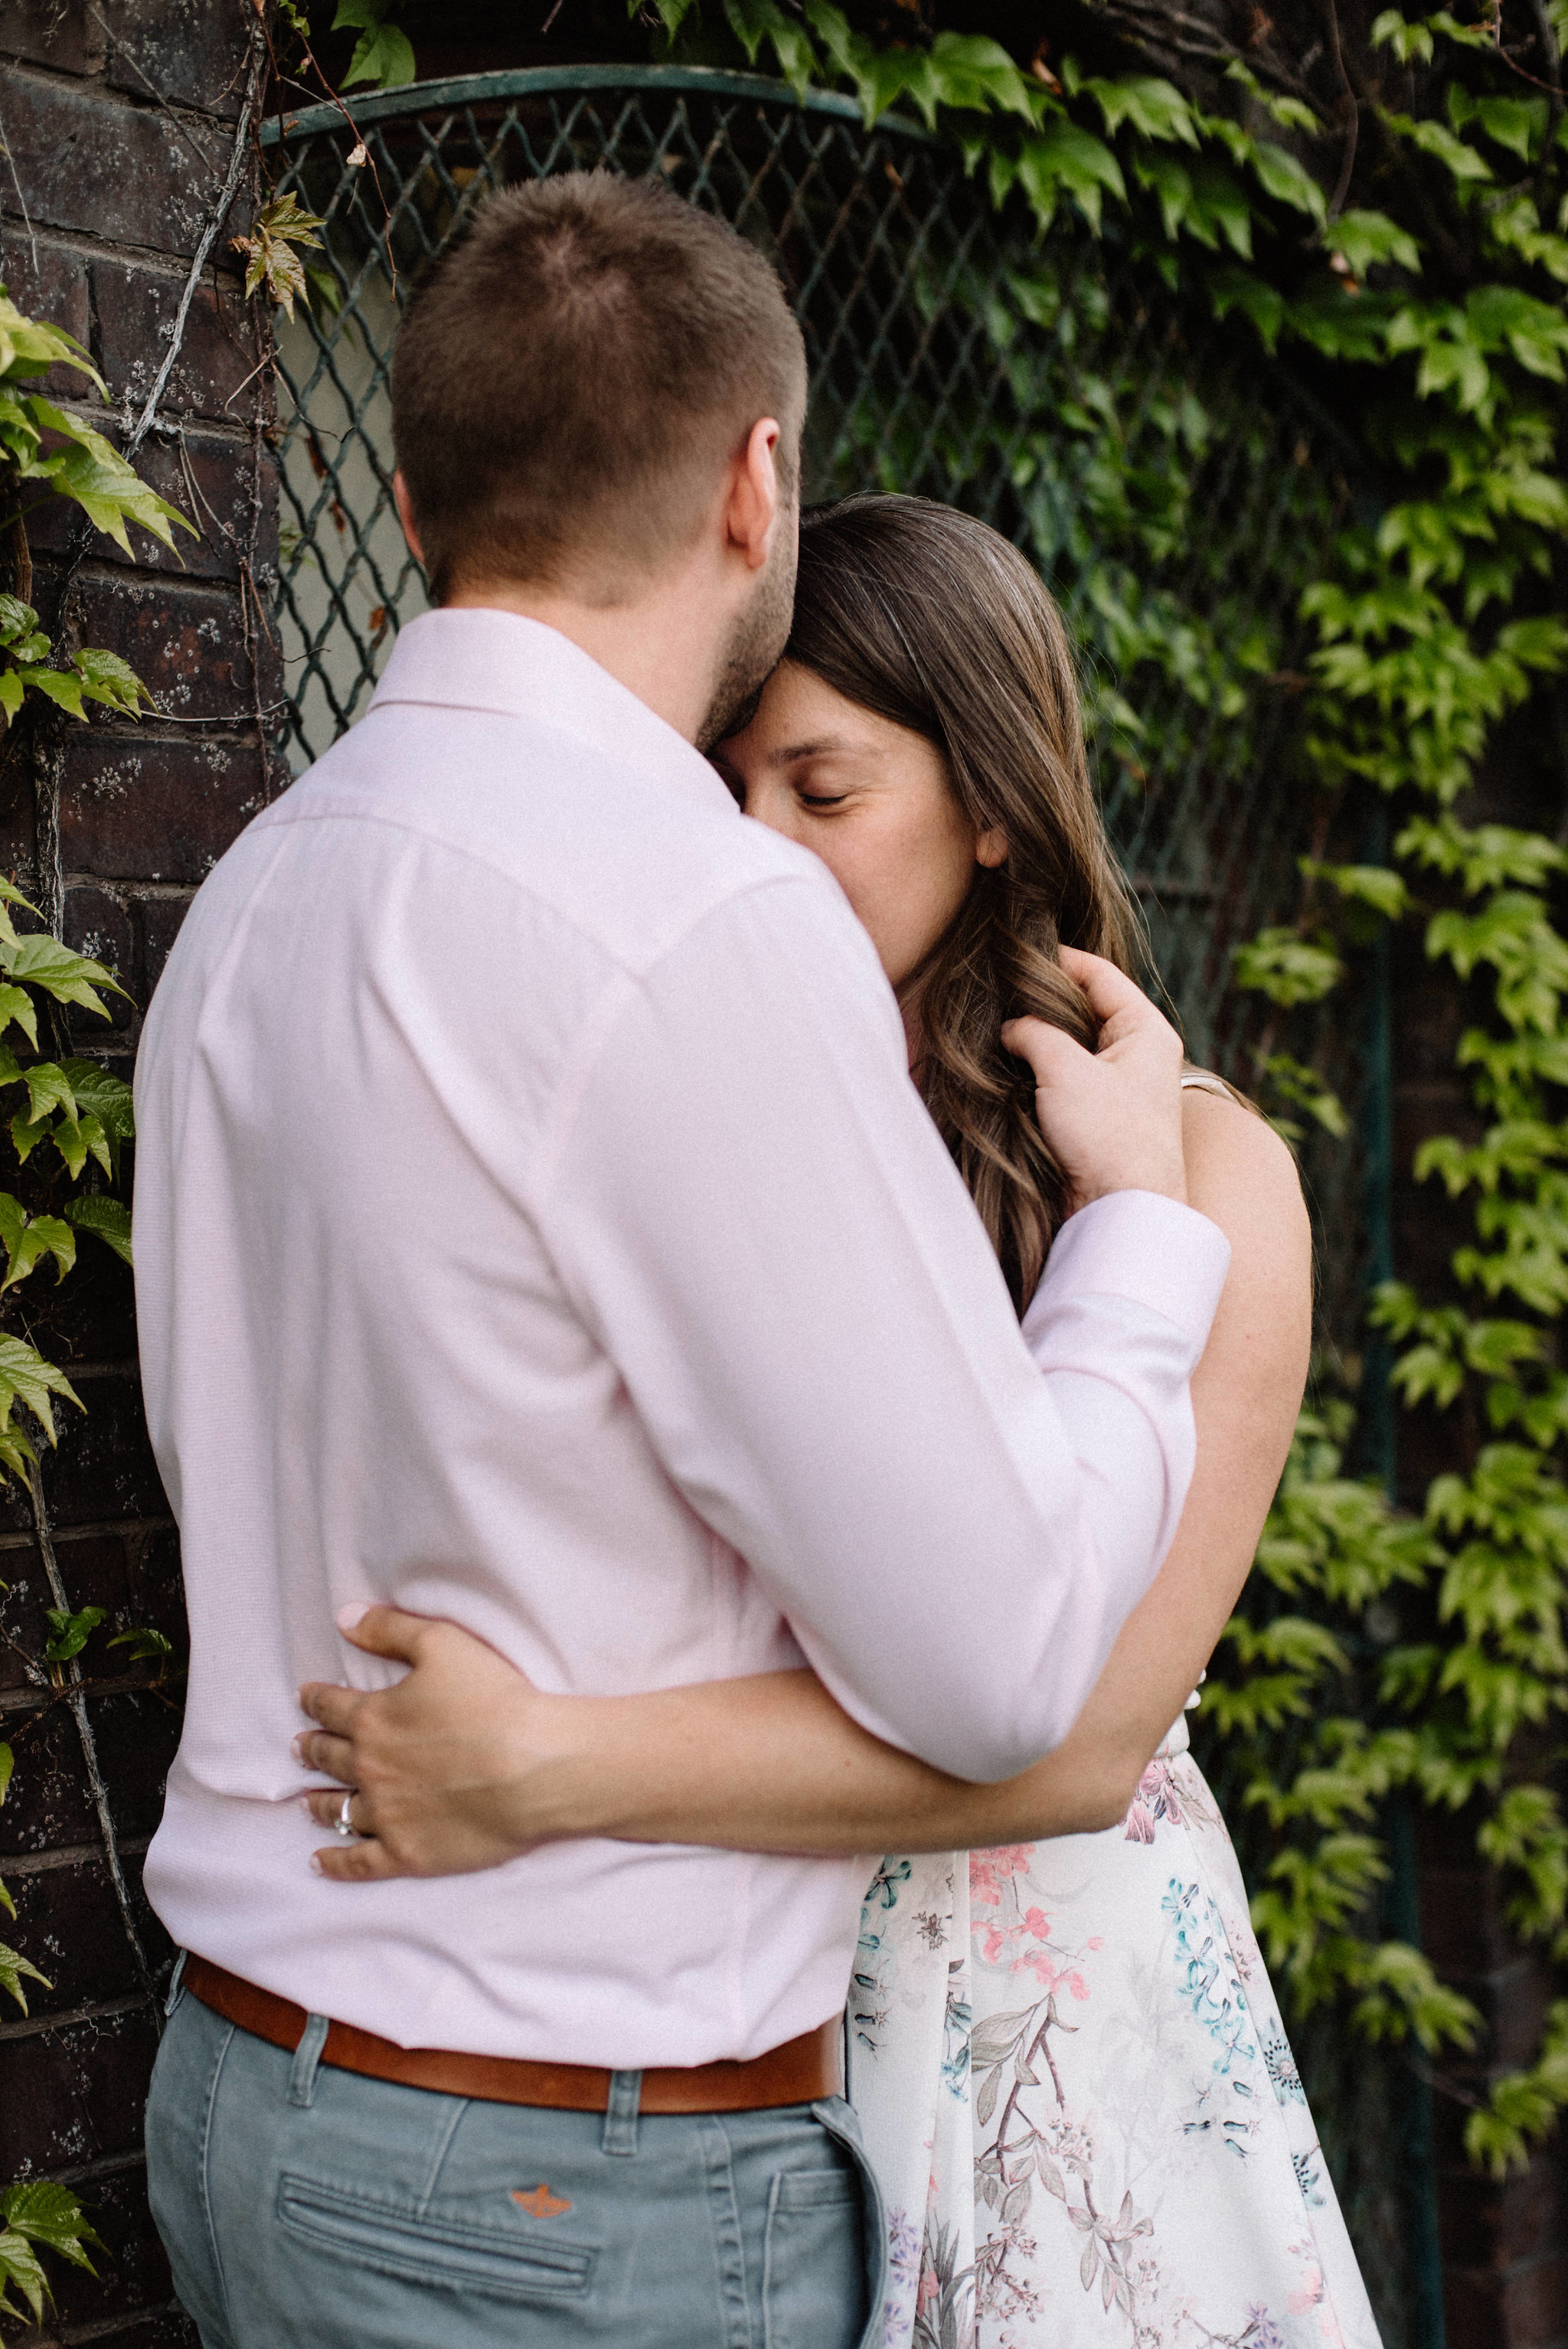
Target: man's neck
<point x="656" y="647"/>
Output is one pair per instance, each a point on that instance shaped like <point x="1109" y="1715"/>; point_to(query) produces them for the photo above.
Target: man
<point x="537" y="1228"/>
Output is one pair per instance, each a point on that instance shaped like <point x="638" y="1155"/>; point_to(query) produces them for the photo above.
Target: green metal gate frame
<point x="949" y="356"/>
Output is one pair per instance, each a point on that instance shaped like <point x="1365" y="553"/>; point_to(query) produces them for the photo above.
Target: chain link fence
<point x="1175" y="492"/>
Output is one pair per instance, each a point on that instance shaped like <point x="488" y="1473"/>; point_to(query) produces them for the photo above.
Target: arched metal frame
<point x="1176" y="498"/>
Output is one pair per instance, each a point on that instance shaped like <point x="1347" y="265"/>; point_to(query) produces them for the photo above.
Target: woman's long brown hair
<point x="930" y="618"/>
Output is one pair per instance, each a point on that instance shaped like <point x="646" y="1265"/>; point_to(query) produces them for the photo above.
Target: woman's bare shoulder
<point x="1236" y="1164"/>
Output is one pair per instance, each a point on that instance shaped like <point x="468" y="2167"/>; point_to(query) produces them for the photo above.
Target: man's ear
<point x="405" y="516"/>
<point x="752" y="506"/>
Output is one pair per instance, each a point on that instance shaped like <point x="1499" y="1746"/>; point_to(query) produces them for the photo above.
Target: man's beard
<point x="751" y="656"/>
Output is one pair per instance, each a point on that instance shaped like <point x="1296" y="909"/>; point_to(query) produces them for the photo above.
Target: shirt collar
<point x="493" y="660"/>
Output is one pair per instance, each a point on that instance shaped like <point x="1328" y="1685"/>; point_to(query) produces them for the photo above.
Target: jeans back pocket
<point x="439" y="2254"/>
<point x="814" y="2285"/>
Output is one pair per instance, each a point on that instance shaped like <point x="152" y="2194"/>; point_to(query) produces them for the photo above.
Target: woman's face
<point x="871" y="800"/>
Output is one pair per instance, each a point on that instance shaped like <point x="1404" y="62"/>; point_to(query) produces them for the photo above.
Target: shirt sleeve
<point x="762" y="1227"/>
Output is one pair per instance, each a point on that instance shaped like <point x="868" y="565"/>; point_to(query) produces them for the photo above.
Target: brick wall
<point x="120" y="117"/>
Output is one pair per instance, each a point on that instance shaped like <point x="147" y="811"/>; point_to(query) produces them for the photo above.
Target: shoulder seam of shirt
<point x="556" y="1124"/>
<point x="614" y="952"/>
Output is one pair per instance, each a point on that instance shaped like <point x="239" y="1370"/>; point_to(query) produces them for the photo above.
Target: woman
<point x="1065" y="2054"/>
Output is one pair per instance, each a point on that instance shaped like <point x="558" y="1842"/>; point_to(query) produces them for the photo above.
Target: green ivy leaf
<point x="1408" y="40"/>
<point x="1366" y="239"/>
<point x="1288" y="181"/>
<point x="19" y="2263"/>
<point x="25" y="1242"/>
<point x="1233" y="289"/>
<point x="29" y="347"/>
<point x="975" y="72"/>
<point x="1155" y="109"/>
<point x="70" y="1633"/>
<point x="110" y="1100"/>
<point x="1286" y="967"/>
<point x="14" y="1970"/>
<point x="69" y="978"/>
<point x="26" y="1378"/>
<point x="145" y="1646"/>
<point x="1063" y="156"/>
<point x="1458" y="158"/>
<point x="383" y="54"/>
<point x="756" y="21"/>
<point x="109" y="1218"/>
<point x="109" y="491"/>
<point x="51" y="2215"/>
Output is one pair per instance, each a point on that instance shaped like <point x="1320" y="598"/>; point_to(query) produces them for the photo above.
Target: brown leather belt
<point x="800" y="2072"/>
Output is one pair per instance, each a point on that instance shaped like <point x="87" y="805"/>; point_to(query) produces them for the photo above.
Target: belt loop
<point x="172" y="1998"/>
<point x="621" y="2113"/>
<point x="307" y="2060"/>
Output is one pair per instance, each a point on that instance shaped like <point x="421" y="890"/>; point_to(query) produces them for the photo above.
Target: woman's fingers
<point x="325" y="1805"/>
<point x="1109" y="990"/>
<point x="355" y="1863"/>
<point x="333" y="1705"/>
<point x="332" y="1756"/>
<point x="384" y="1632"/>
<point x="1050" y="1051"/>
<point x="1113" y="1119"/>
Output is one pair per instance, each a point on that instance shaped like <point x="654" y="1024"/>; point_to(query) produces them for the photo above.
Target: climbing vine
<point x="1378" y="1653"/>
<point x="69" y="1120"/>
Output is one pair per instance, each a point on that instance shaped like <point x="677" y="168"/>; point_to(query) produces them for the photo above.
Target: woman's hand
<point x="452" y="1769"/>
<point x="1113" y="1118"/>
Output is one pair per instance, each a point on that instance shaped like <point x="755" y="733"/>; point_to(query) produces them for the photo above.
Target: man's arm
<point x="753" y="1212"/>
<point x="463" y="1765"/>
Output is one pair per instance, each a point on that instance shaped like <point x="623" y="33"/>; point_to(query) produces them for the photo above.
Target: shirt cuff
<point x="1139" y="1245"/>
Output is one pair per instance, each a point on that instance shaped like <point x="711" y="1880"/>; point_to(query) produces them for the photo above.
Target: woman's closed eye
<point x="817" y="801"/>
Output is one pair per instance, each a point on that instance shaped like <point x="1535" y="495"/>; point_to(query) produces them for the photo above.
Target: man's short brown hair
<point x="571" y="379"/>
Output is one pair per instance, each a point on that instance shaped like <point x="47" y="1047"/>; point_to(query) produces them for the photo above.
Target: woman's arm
<point x="463" y="1765"/>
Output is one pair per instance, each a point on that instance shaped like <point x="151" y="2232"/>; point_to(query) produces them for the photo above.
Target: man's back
<point x="365" y="1377"/>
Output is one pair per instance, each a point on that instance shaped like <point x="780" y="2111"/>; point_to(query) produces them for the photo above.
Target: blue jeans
<point x="306" y="2207"/>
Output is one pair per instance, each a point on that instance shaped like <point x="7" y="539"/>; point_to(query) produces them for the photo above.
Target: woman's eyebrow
<point x="818" y="748"/>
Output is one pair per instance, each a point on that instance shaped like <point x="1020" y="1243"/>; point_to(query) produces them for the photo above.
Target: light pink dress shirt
<point x="536" y="1226"/>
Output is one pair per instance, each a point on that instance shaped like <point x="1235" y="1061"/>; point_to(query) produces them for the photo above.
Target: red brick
<point x="186" y="642"/>
<point x="103" y="1468"/>
<point x="85" y="162"/>
<point x="132" y="2270"/>
<point x="48" y="1803"/>
<point x="222" y="466"/>
<point x="136" y="309"/>
<point x="192" y="52"/>
<point x="76" y="2095"/>
<point x="46" y="280"/>
<point x="98" y="923"/>
<point x="59" y="33"/>
<point x="68" y="1920"/>
<point x="153" y="809"/>
<point x="160" y="918"/>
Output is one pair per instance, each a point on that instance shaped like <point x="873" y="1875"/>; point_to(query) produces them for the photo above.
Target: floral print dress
<point x="1079" y="2097"/>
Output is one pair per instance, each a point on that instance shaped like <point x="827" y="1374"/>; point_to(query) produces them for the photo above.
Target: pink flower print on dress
<point x="987" y="1869"/>
<point x="1156" y="1800"/>
<point x="1308" y="2294"/>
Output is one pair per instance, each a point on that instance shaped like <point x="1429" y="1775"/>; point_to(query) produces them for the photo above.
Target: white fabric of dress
<point x="1080" y="2102"/>
<point x="1080" y="2098"/>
